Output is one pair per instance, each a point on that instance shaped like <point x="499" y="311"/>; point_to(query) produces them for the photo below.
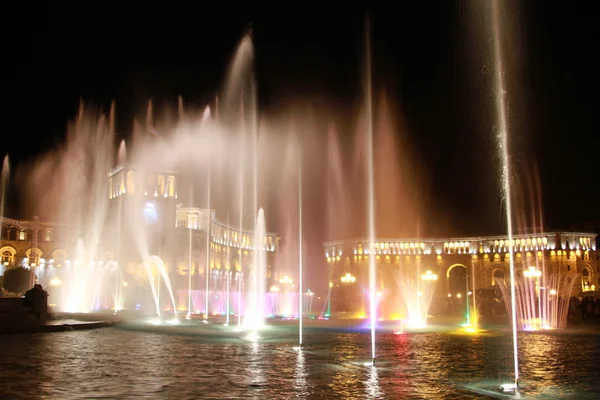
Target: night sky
<point x="425" y="58"/>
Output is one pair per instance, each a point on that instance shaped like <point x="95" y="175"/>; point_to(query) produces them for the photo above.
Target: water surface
<point x="122" y="363"/>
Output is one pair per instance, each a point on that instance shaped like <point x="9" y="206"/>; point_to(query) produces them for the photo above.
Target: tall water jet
<point x="254" y="316"/>
<point x="241" y="228"/>
<point x="502" y="138"/>
<point x="300" y="277"/>
<point x="241" y="211"/>
<point x="190" y="266"/>
<point x="417" y="295"/>
<point x="370" y="188"/>
<point x="240" y="99"/>
<point x="121" y="160"/>
<point x="3" y="183"/>
<point x="228" y="271"/>
<point x="207" y="274"/>
<point x="158" y="263"/>
<point x="4" y="174"/>
<point x="336" y="204"/>
<point x="75" y="185"/>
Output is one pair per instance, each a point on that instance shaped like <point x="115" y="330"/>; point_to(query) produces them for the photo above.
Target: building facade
<point x="455" y="267"/>
<point x="144" y="218"/>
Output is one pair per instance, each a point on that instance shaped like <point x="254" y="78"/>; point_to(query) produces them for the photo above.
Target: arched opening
<point x="59" y="256"/>
<point x="457" y="288"/>
<point x="457" y="280"/>
<point x="33" y="256"/>
<point x="8" y="255"/>
<point x="586" y="279"/>
<point x="497" y="274"/>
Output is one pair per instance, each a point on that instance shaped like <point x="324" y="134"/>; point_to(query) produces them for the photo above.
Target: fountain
<point x="190" y="268"/>
<point x="118" y="299"/>
<point x="502" y="137"/>
<point x="163" y="150"/>
<point x="254" y="317"/>
<point x="101" y="267"/>
<point x="370" y="191"/>
<point x="207" y="267"/>
<point x="300" y="276"/>
<point x="417" y="292"/>
<point x="4" y="175"/>
<point x="76" y="188"/>
<point x="4" y="178"/>
<point x="537" y="306"/>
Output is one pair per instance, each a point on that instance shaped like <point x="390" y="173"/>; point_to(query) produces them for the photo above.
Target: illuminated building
<point x="143" y="208"/>
<point x="455" y="265"/>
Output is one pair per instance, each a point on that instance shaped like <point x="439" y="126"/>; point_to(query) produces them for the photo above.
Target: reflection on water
<point x="372" y="384"/>
<point x="116" y="363"/>
<point x="301" y="389"/>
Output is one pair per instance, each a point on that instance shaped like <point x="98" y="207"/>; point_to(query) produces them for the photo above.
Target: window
<point x="34" y="256"/>
<point x="586" y="279"/>
<point x="171" y="184"/>
<point x="161" y="185"/>
<point x="131" y="182"/>
<point x="7" y="257"/>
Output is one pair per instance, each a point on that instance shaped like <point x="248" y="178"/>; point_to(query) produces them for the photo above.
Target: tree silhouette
<point x="17" y="280"/>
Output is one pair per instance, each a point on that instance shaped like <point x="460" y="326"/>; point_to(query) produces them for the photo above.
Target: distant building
<point x="144" y="215"/>
<point x="457" y="265"/>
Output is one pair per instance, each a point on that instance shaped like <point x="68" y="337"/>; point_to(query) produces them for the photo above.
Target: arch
<point x="7" y="253"/>
<point x="498" y="272"/>
<point x="34" y="254"/>
<point x="452" y="267"/>
<point x="518" y="273"/>
<point x="586" y="278"/>
<point x="457" y="279"/>
<point x="59" y="256"/>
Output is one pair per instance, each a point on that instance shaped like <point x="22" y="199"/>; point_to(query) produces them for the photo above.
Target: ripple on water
<point x="114" y="363"/>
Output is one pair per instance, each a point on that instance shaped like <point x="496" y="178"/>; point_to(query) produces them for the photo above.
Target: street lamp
<point x="429" y="276"/>
<point x="348" y="278"/>
<point x="532" y="272"/>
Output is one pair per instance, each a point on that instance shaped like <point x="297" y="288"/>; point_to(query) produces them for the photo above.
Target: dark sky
<point x="425" y="57"/>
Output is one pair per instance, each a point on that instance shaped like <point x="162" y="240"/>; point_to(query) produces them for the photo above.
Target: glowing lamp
<point x="532" y="272"/>
<point x="429" y="276"/>
<point x="55" y="282"/>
